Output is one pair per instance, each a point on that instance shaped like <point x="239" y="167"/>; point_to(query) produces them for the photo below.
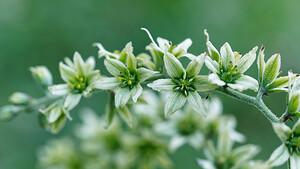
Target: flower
<point x="42" y="75"/>
<point x="79" y="77"/>
<point x="165" y="45"/>
<point x="126" y="82"/>
<point x="290" y="147"/>
<point x="183" y="84"/>
<point x="228" y="67"/>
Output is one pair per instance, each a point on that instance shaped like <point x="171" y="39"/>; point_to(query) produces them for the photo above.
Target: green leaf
<point x="114" y="66"/>
<point x="261" y="63"/>
<point x="246" y="61"/>
<point x="125" y="115"/>
<point x="227" y="56"/>
<point x="173" y="66"/>
<point x="174" y="102"/>
<point x="162" y="84"/>
<point x="143" y="74"/>
<point x="195" y="66"/>
<point x="271" y="70"/>
<point x="195" y="100"/>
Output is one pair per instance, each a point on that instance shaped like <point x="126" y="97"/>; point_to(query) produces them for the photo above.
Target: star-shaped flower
<point x="79" y="77"/>
<point x="183" y="84"/>
<point x="126" y="82"/>
<point x="228" y="67"/>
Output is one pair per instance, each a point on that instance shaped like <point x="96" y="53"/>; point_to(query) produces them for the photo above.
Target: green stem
<point x="257" y="102"/>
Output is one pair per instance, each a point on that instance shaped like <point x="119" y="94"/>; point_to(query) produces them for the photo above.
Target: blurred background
<point x="43" y="32"/>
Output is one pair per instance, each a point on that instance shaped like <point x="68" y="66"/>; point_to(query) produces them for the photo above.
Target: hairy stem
<point x="257" y="102"/>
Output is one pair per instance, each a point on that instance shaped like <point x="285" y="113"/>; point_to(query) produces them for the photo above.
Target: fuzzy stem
<point x="257" y="102"/>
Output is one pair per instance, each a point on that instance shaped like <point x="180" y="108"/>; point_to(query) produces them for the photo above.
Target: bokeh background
<point x="43" y="32"/>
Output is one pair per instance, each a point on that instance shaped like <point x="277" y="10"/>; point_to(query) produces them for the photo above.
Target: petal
<point x="190" y="56"/>
<point x="176" y="142"/>
<point x="162" y="84"/>
<point x="294" y="101"/>
<point x="214" y="78"/>
<point x="296" y="128"/>
<point x="195" y="66"/>
<point x="66" y="72"/>
<point x="295" y="161"/>
<point x="212" y="51"/>
<point x="71" y="101"/>
<point x="125" y="115"/>
<point x="174" y="102"/>
<point x="122" y="96"/>
<point x="54" y="114"/>
<point x="212" y="65"/>
<point x="246" y="61"/>
<point x="163" y="44"/>
<point x="195" y="100"/>
<point x="173" y="66"/>
<point x="205" y="164"/>
<point x="143" y="74"/>
<point x="131" y="61"/>
<point x="201" y="83"/>
<point x="136" y="92"/>
<point x="185" y="45"/>
<point x="196" y="140"/>
<point x="271" y="70"/>
<point x="153" y="42"/>
<point x="244" y="153"/>
<point x="261" y="63"/>
<point x="61" y="89"/>
<point x="227" y="56"/>
<point x="106" y="83"/>
<point x="114" y="66"/>
<point x="279" y="156"/>
<point x="79" y="64"/>
<point x="282" y="131"/>
<point x="90" y="64"/>
<point x="103" y="52"/>
<point x="244" y="82"/>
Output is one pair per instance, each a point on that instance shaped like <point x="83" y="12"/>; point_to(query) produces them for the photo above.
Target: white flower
<point x="42" y="76"/>
<point x="228" y="67"/>
<point x="79" y="77"/>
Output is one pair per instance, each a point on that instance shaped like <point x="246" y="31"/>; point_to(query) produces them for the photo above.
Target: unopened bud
<point x="9" y="112"/>
<point x="19" y="98"/>
<point x="42" y="75"/>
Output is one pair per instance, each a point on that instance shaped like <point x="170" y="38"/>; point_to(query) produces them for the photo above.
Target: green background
<point x="43" y="32"/>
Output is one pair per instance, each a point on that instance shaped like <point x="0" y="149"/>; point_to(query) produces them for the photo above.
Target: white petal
<point x="279" y="156"/>
<point x="246" y="61"/>
<point x="164" y="44"/>
<point x="196" y="140"/>
<point x="185" y="45"/>
<point x="282" y="130"/>
<point x="295" y="161"/>
<point x="122" y="96"/>
<point x="212" y="64"/>
<point x="227" y="55"/>
<point x="205" y="164"/>
<point x="173" y="66"/>
<point x="71" y="101"/>
<point x="66" y="72"/>
<point x="176" y="142"/>
<point x="195" y="100"/>
<point x="103" y="52"/>
<point x="79" y="64"/>
<point x="60" y="90"/>
<point x="246" y="82"/>
<point x="54" y="114"/>
<point x="114" y="66"/>
<point x="153" y="42"/>
<point x="106" y="83"/>
<point x="238" y="87"/>
<point x="174" y="102"/>
<point x="143" y="74"/>
<point x="90" y="64"/>
<point x="136" y="92"/>
<point x="214" y="78"/>
<point x="162" y="84"/>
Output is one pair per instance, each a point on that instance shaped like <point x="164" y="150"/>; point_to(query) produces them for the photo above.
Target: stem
<point x="257" y="102"/>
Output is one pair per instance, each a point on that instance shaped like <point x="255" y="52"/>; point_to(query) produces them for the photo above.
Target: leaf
<point x="271" y="70"/>
<point x="173" y="66"/>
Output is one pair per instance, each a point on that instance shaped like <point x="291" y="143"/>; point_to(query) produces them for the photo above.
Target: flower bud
<point x="8" y="112"/>
<point x="19" y="98"/>
<point x="42" y="75"/>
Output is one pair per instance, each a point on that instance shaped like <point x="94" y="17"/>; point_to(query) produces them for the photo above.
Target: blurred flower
<point x="224" y="156"/>
<point x="59" y="154"/>
<point x="290" y="147"/>
<point x="228" y="68"/>
<point x="126" y="82"/>
<point x="19" y="98"/>
<point x="79" y="77"/>
<point x="183" y="84"/>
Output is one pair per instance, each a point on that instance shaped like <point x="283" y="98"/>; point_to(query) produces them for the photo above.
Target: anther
<point x="119" y="79"/>
<point x="76" y="76"/>
<point x="81" y="79"/>
<point x="78" y="86"/>
<point x="129" y="82"/>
